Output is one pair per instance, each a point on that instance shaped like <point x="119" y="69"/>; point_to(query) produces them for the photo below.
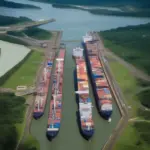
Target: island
<point x="125" y="8"/>
<point x="9" y="4"/>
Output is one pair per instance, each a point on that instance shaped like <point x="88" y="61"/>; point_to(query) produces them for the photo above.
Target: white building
<point x="77" y="52"/>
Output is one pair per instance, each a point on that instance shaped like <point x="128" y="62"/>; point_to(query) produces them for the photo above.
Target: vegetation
<point x="6" y="20"/>
<point x="30" y="144"/>
<point x="33" y="32"/>
<point x="144" y="98"/>
<point x="134" y="137"/>
<point x="12" y="112"/>
<point x="137" y="13"/>
<point x="137" y="131"/>
<point x="25" y="74"/>
<point x="97" y="2"/>
<point x="12" y="40"/>
<point x="128" y="84"/>
<point x="130" y="43"/>
<point x="16" y="5"/>
<point x="38" y="33"/>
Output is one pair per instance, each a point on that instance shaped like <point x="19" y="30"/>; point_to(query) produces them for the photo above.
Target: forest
<point x="12" y="110"/>
<point x="16" y="5"/>
<point x="130" y="43"/>
<point x="99" y="2"/>
<point x="7" y="20"/>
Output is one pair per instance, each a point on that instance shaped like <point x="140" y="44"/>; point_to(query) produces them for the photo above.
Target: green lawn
<point x="31" y="143"/>
<point x="38" y="33"/>
<point x="25" y="75"/>
<point x="131" y="138"/>
<point x="128" y="84"/>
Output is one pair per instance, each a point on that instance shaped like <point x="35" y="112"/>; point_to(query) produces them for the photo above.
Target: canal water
<point x="69" y="136"/>
<point x="74" y="24"/>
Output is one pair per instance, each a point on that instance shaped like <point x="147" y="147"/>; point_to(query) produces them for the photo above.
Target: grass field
<point x="128" y="83"/>
<point x="36" y="33"/>
<point x="131" y="138"/>
<point x="25" y="75"/>
<point x="31" y="143"/>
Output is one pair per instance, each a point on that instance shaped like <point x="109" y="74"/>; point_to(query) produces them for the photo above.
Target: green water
<point x="69" y="137"/>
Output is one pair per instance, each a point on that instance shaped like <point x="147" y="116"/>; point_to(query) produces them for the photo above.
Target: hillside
<point x="7" y="20"/>
<point x="130" y="43"/>
<point x="98" y="2"/>
<point x="16" y="5"/>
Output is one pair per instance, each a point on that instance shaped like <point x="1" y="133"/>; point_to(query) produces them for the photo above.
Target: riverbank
<point x="34" y="32"/>
<point x="138" y="114"/>
<point x="109" y="10"/>
<point x="7" y="20"/>
<point x="10" y="4"/>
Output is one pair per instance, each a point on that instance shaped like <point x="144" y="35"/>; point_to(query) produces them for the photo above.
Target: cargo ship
<point x="84" y="113"/>
<point x="42" y="88"/>
<point x="55" y="112"/>
<point x="99" y="82"/>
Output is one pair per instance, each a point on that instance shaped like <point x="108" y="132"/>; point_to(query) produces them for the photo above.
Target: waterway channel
<point x="69" y="136"/>
<point x="74" y="23"/>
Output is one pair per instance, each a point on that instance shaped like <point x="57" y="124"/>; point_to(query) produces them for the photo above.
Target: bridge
<point x="25" y="25"/>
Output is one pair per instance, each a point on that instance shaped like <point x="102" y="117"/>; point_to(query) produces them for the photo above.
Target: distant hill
<point x="99" y="2"/>
<point x="16" y="5"/>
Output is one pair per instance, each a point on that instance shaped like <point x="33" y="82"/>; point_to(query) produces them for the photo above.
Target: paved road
<point x="117" y="93"/>
<point x="24" y="25"/>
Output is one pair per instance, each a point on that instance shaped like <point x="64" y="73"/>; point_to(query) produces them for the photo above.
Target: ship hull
<point x="51" y="134"/>
<point x="37" y="115"/>
<point x="86" y="134"/>
<point x="105" y="114"/>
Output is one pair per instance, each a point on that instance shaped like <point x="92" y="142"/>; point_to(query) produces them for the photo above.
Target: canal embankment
<point x="118" y="97"/>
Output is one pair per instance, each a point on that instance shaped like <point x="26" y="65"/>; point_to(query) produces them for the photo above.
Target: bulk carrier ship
<point x="55" y="112"/>
<point x="42" y="89"/>
<point x="85" y="120"/>
<point x="100" y="85"/>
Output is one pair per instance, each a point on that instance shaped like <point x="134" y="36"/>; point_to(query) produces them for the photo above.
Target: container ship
<point x="99" y="82"/>
<point x="55" y="112"/>
<point x="42" y="89"/>
<point x="85" y="120"/>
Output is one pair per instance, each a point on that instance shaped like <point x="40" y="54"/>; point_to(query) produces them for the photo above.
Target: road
<point x="117" y="94"/>
<point x="24" y="25"/>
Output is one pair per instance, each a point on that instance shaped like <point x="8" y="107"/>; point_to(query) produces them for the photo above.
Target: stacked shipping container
<point x="54" y="117"/>
<point x="42" y="89"/>
<point x="100" y="85"/>
<point x="84" y="102"/>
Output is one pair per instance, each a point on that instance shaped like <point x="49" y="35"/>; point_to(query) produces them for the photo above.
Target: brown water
<point x="69" y="137"/>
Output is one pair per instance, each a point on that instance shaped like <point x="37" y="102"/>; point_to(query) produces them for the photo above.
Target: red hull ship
<point x="42" y="89"/>
<point x="55" y="113"/>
